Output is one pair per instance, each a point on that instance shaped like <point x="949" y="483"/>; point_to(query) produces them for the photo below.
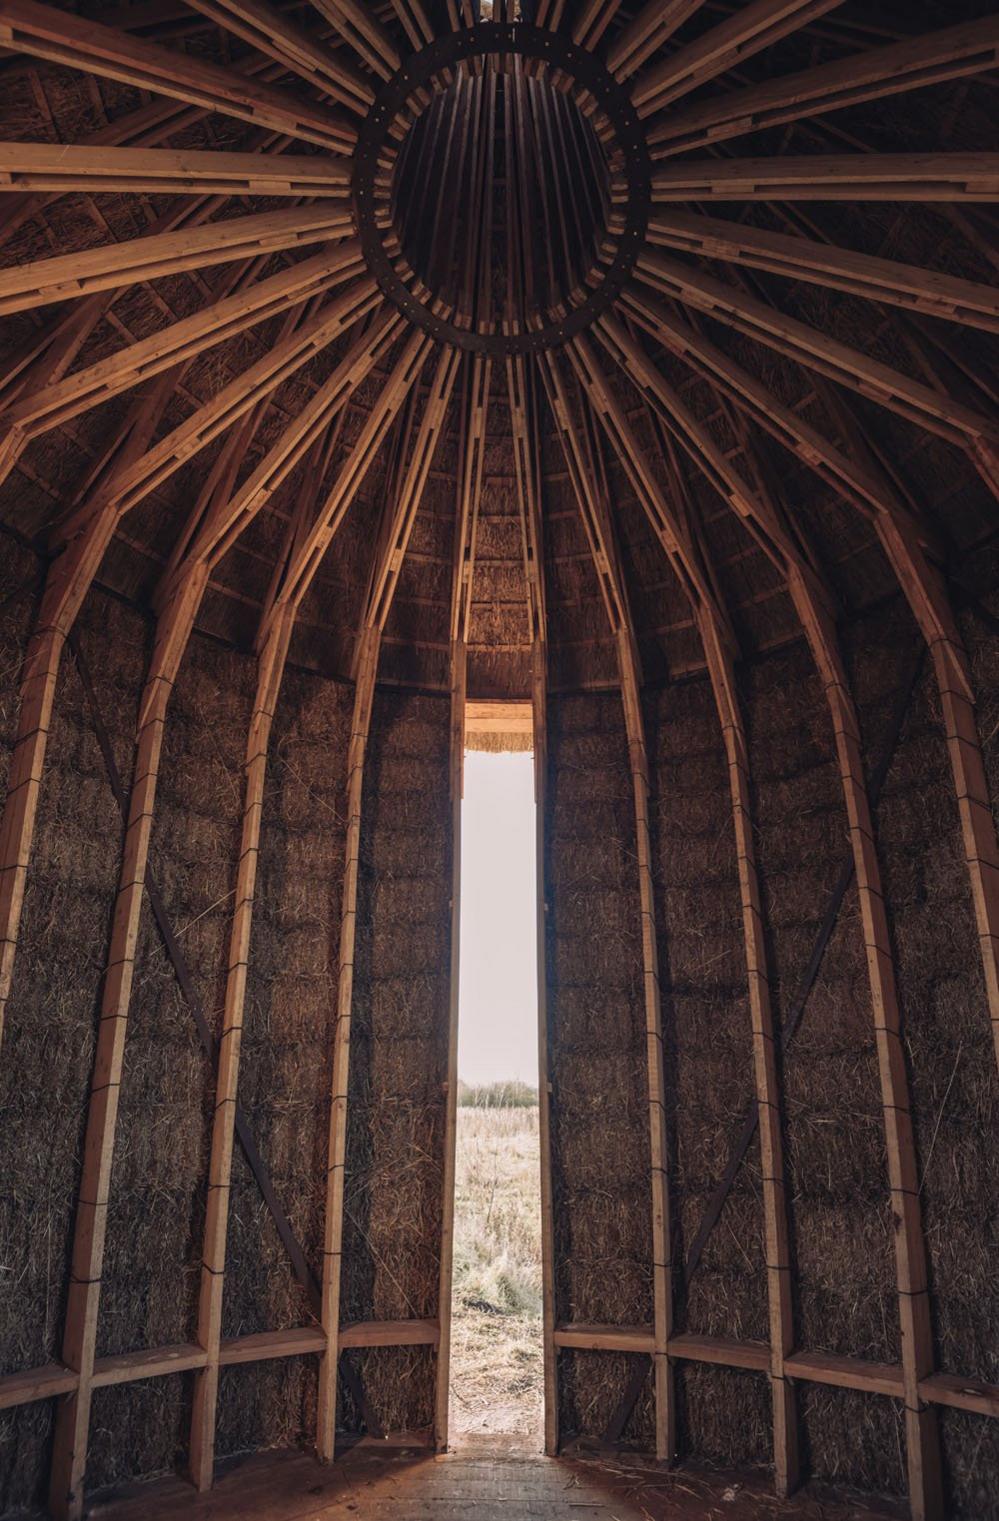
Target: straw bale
<point x="724" y="1415"/>
<point x="393" y="1186"/>
<point x="851" y="1438"/>
<point x="592" y="1385"/>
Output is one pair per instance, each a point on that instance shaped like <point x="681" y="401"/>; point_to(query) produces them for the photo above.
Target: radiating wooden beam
<point x="592" y="20"/>
<point x="53" y="404"/>
<point x="857" y="476"/>
<point x="820" y="454"/>
<point x="415" y="22"/>
<point x="926" y="592"/>
<point x="383" y="581"/>
<point x="79" y="1343"/>
<point x="474" y="428"/>
<point x="44" y="32"/>
<point x="654" y="24"/>
<point x="971" y="48"/>
<point x="229" y="404"/>
<point x="63" y="167"/>
<point x="843" y="177"/>
<point x="906" y="285"/>
<point x="580" y="456"/>
<point x="274" y="33"/>
<point x="815" y="350"/>
<point x="769" y="1098"/>
<point x="68" y="276"/>
<point x="360" y="28"/>
<point x="209" y="535"/>
<point x="753" y="27"/>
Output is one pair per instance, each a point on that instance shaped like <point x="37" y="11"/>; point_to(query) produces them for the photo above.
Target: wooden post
<point x="213" y="1259"/>
<point x="69" y="1459"/>
<point x="333" y="1236"/>
<point x="587" y="476"/>
<point x="924" y="1473"/>
<point x="768" y="1092"/>
<point x="922" y="1439"/>
<point x="384" y="579"/>
<point x="456" y="773"/>
<point x="539" y="694"/>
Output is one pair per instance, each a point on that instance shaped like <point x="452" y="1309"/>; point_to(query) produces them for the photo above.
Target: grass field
<point x="496" y="1333"/>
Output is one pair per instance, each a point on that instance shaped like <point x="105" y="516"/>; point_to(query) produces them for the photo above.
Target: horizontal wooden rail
<point x="261" y="1346"/>
<point x="722" y="1350"/>
<point x="606" y="1338"/>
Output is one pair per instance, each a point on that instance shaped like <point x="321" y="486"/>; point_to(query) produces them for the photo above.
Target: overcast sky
<point x="497" y="1023"/>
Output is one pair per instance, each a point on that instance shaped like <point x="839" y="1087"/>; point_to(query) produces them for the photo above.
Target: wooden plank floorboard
<point x="492" y="1479"/>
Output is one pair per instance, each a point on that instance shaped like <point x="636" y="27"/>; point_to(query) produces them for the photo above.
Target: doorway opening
<point x="496" y="1348"/>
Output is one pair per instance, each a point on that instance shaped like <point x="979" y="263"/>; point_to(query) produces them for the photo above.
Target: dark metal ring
<point x="591" y="77"/>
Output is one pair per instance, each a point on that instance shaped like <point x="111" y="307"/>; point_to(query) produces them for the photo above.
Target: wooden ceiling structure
<point x="547" y="212"/>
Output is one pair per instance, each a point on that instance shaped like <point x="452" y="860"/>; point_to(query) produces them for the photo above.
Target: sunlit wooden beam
<point x="274" y="33"/>
<point x="645" y="34"/>
<point x="833" y="177"/>
<point x="906" y="285"/>
<point x="68" y="276"/>
<point x="36" y="411"/>
<point x="752" y="28"/>
<point x="78" y="43"/>
<point x="815" y="350"/>
<point x="970" y="48"/>
<point x="60" y="167"/>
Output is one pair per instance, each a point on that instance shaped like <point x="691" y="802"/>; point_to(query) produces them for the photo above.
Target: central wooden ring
<point x="400" y="102"/>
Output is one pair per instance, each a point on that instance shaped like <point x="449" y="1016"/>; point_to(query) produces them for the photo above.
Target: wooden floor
<point x="486" y="1479"/>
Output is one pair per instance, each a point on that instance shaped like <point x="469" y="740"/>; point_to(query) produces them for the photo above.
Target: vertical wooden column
<point x="662" y="1272"/>
<point x="405" y="493"/>
<point x="539" y="702"/>
<point x="69" y="1458"/>
<point x="456" y="770"/>
<point x="585" y="467"/>
<point x="922" y="1437"/>
<point x="333" y="1236"/>
<point x="768" y="1094"/>
<point x="213" y="1257"/>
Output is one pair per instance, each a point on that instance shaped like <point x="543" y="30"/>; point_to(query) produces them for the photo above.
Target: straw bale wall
<point x="399" y="1034"/>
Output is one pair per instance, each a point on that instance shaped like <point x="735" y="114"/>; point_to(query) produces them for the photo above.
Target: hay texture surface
<point x="708" y="1060"/>
<point x="51" y="1020"/>
<point x="398" y="1062"/>
<point x="835" y="1157"/>
<point x="600" y="1124"/>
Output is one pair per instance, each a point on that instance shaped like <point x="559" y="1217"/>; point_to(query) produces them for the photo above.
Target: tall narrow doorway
<point x="496" y="1360"/>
